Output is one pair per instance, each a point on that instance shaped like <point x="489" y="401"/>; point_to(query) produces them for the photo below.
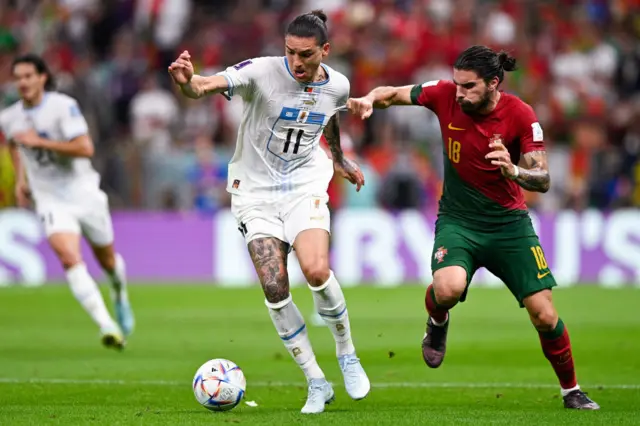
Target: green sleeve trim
<point x="415" y="92"/>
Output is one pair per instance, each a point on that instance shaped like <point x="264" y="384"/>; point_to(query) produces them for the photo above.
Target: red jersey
<point x="475" y="189"/>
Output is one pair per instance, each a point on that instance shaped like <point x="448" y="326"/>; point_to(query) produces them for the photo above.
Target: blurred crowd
<point x="579" y="67"/>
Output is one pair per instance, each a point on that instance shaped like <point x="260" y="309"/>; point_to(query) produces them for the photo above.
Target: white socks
<point x="86" y="291"/>
<point x="332" y="307"/>
<point x="293" y="331"/>
<point x="118" y="278"/>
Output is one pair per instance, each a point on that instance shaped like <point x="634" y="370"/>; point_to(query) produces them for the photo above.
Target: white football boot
<point x="356" y="381"/>
<point x="320" y="393"/>
<point x="112" y="337"/>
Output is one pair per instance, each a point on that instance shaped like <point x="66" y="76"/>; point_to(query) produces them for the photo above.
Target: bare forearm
<point x="386" y="96"/>
<point x="200" y="86"/>
<point x="332" y="135"/>
<point x="193" y="89"/>
<point x="535" y="177"/>
<point x="534" y="180"/>
<point x="382" y="97"/>
<point x="79" y="147"/>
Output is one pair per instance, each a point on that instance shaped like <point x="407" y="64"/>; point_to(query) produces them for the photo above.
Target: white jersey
<point x="278" y="148"/>
<point x="52" y="176"/>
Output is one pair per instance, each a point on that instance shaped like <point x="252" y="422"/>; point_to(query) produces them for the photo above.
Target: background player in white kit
<point x="50" y="141"/>
<point x="278" y="178"/>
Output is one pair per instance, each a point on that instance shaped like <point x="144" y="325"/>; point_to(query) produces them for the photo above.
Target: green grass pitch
<point x="53" y="370"/>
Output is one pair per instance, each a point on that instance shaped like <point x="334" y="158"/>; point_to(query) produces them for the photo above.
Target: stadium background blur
<point x="579" y="68"/>
<point x="157" y="151"/>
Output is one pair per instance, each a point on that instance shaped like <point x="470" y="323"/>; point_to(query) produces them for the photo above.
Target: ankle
<point x="440" y="320"/>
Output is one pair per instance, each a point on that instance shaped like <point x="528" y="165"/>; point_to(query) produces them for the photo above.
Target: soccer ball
<point x="219" y="385"/>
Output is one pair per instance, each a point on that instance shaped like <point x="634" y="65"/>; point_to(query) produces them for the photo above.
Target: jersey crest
<point x="440" y="254"/>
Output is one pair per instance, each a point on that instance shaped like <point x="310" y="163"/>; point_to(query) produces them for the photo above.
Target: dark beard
<point x="473" y="109"/>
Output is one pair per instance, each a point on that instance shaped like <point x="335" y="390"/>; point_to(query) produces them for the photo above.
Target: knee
<point x="446" y="294"/>
<point x="69" y="259"/>
<point x="448" y="287"/>
<point x="317" y="273"/>
<point x="544" y="318"/>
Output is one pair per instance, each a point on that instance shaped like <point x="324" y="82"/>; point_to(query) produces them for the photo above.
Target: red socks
<point x="557" y="349"/>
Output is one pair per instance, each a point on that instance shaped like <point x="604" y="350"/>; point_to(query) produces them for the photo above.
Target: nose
<point x="460" y="92"/>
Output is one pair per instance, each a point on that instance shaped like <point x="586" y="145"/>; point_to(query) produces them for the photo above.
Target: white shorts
<point x="283" y="219"/>
<point x="89" y="216"/>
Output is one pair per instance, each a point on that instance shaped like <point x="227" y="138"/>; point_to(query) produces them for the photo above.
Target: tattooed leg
<point x="269" y="257"/>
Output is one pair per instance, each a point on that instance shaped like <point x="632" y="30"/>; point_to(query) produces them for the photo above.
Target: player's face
<point x="304" y="56"/>
<point x="30" y="83"/>
<point x="472" y="94"/>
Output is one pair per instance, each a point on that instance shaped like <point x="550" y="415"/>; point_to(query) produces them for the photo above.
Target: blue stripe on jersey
<point x="315" y="118"/>
<point x="291" y="114"/>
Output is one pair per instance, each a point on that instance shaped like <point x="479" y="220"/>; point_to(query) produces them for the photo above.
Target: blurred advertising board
<point x="368" y="247"/>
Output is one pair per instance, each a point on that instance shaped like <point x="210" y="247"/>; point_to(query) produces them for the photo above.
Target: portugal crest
<point x="440" y="254"/>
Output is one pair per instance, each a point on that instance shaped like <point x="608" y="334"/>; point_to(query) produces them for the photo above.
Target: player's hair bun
<point x="320" y="14"/>
<point x="507" y="62"/>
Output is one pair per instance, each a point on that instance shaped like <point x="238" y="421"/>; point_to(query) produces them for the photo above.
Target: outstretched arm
<point x="346" y="167"/>
<point x="195" y="86"/>
<point x="380" y="97"/>
<point x="535" y="175"/>
<point x="386" y="96"/>
<point x="200" y="86"/>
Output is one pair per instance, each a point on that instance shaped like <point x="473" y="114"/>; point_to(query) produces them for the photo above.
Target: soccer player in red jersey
<point x="493" y="148"/>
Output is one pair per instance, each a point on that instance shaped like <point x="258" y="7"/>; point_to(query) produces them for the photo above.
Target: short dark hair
<point x="486" y="62"/>
<point x="312" y="24"/>
<point x="39" y="64"/>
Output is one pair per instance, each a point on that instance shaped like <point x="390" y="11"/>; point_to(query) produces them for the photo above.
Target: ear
<point x="493" y="84"/>
<point x="325" y="49"/>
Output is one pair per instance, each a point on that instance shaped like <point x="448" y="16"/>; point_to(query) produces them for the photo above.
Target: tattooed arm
<point x="534" y="176"/>
<point x="346" y="167"/>
<point x="332" y="135"/>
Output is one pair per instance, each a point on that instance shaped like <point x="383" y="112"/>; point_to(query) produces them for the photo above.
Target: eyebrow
<point x="462" y="84"/>
<point x="304" y="51"/>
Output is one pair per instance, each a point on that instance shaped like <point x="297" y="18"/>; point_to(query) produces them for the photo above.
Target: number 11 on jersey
<point x="296" y="146"/>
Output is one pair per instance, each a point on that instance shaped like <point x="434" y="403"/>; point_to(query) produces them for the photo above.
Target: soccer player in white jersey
<point x="51" y="147"/>
<point x="278" y="178"/>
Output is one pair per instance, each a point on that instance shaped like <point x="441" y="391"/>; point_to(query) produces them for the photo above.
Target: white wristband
<point x="516" y="172"/>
